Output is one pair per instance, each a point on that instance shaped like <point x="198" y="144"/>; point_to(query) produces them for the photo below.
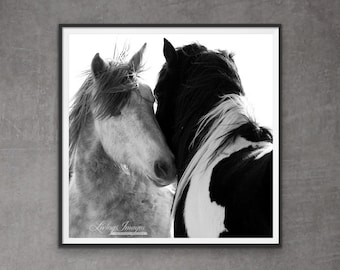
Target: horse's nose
<point x="165" y="170"/>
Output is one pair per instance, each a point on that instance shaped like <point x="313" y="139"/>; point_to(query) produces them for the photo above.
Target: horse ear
<point x="169" y="52"/>
<point x="136" y="60"/>
<point x="98" y="65"/>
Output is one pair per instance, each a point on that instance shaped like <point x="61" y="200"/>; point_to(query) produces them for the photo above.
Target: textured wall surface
<point x="310" y="142"/>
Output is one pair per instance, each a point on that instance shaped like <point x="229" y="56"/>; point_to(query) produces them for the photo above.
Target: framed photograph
<point x="170" y="134"/>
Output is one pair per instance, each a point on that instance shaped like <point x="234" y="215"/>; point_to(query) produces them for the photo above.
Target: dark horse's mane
<point x="103" y="94"/>
<point x="201" y="73"/>
<point x="200" y="77"/>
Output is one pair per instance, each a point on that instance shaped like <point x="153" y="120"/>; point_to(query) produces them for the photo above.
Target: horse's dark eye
<point x="125" y="80"/>
<point x="116" y="113"/>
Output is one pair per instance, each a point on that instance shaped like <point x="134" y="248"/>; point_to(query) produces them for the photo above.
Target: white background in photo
<point x="254" y="58"/>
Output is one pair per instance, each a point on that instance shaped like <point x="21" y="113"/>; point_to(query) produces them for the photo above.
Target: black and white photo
<point x="170" y="134"/>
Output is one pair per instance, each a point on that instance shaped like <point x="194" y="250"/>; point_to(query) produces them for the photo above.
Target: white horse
<point x="119" y="161"/>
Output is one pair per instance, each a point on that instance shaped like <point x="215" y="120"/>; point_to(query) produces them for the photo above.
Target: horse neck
<point x="228" y="114"/>
<point x="105" y="191"/>
<point x="100" y="180"/>
<point x="183" y="151"/>
<point x="187" y="122"/>
<point x="214" y="137"/>
<point x="187" y="140"/>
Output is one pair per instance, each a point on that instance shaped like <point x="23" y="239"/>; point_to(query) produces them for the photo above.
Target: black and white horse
<point x="223" y="157"/>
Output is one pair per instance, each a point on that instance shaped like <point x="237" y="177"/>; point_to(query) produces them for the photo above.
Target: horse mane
<point x="210" y="89"/>
<point x="205" y="75"/>
<point x="78" y="116"/>
<point x="216" y="134"/>
<point x="103" y="96"/>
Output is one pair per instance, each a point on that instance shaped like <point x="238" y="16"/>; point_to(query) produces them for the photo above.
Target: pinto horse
<point x="223" y="157"/>
<point x="119" y="160"/>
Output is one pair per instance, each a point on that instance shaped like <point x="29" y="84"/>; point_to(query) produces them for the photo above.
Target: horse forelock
<point x="111" y="89"/>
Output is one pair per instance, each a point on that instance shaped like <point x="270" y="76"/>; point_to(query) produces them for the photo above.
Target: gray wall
<point x="29" y="134"/>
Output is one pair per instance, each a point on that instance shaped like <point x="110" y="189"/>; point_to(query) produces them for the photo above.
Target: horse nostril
<point x="162" y="169"/>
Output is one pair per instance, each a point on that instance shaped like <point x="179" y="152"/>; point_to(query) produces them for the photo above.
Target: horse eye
<point x="116" y="113"/>
<point x="125" y="80"/>
<point x="128" y="78"/>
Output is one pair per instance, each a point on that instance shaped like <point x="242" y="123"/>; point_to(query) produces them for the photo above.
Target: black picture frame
<point x="171" y="241"/>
